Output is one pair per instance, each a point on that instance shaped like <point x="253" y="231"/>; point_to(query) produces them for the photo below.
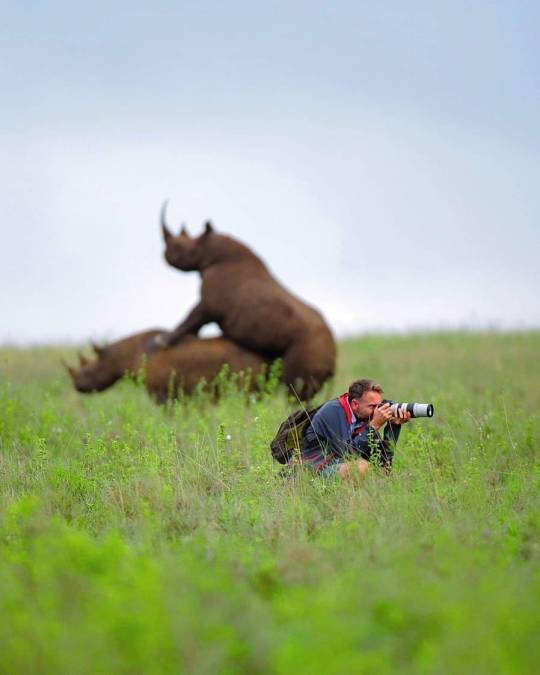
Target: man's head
<point x="364" y="396"/>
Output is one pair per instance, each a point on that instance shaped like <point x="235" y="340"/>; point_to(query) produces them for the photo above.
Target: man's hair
<point x="359" y="387"/>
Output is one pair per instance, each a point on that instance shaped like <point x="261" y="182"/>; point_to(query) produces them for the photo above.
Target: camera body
<point x="415" y="409"/>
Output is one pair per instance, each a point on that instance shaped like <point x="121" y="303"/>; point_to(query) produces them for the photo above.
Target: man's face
<point x="364" y="407"/>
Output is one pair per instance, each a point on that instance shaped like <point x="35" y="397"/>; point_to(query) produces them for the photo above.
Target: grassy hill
<point x="142" y="539"/>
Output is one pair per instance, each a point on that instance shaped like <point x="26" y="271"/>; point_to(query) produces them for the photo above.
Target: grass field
<point x="139" y="539"/>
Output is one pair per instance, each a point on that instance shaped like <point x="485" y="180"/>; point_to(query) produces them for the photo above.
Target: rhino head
<point x="112" y="361"/>
<point x="182" y="251"/>
<point x="97" y="374"/>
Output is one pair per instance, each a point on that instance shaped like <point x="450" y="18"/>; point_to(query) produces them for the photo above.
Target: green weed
<point x="137" y="538"/>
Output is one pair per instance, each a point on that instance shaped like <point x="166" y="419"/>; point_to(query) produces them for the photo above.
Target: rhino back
<point x="194" y="359"/>
<point x="258" y="312"/>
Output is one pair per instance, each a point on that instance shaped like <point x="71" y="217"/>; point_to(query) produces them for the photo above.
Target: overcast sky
<point x="382" y="158"/>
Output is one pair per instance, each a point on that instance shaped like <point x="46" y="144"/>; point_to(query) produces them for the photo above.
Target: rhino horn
<point x="166" y="232"/>
<point x="208" y="227"/>
<point x="83" y="361"/>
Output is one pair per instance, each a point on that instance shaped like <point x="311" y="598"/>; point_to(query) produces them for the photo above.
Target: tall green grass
<point x="142" y="539"/>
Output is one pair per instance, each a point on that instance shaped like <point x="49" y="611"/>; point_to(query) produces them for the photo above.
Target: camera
<point x="416" y="409"/>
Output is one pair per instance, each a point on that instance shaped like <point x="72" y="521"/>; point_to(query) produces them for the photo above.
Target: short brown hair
<point x="359" y="387"/>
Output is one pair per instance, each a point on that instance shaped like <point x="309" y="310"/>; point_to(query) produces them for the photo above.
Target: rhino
<point x="251" y="307"/>
<point x="187" y="364"/>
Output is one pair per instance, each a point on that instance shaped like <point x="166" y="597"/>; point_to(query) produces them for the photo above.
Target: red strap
<point x="344" y="402"/>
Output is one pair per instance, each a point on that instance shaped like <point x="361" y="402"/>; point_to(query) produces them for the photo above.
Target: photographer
<point x="343" y="436"/>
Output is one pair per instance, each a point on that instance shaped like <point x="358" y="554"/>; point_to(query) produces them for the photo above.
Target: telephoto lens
<point x="416" y="409"/>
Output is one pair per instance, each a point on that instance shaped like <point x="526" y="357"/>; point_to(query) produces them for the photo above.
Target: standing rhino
<point x="187" y="364"/>
<point x="251" y="307"/>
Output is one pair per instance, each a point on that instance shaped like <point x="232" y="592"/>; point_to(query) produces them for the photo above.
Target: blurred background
<point x="382" y="158"/>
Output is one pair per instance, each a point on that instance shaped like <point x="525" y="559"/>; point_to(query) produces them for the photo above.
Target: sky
<point x="382" y="159"/>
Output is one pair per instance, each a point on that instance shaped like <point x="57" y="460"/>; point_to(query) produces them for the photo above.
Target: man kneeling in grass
<point x="343" y="436"/>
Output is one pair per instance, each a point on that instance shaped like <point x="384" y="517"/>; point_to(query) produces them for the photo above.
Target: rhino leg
<point x="307" y="365"/>
<point x="191" y="325"/>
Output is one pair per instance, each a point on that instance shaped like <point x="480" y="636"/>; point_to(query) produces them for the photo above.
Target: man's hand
<point x="402" y="417"/>
<point x="381" y="416"/>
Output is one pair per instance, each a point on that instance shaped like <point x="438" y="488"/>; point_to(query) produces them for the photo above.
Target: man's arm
<point x="330" y="427"/>
<point x="391" y="433"/>
<point x="369" y="443"/>
<point x="370" y="446"/>
<point x="383" y="448"/>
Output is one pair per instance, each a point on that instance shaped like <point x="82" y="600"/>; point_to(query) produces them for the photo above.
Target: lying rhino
<point x="251" y="307"/>
<point x="190" y="361"/>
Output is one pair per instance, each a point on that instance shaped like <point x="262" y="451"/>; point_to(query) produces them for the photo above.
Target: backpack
<point x="288" y="440"/>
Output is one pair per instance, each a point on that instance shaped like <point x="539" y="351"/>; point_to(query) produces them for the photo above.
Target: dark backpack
<point x="289" y="438"/>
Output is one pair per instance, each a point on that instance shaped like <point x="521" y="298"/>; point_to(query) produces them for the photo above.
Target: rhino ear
<point x="208" y="227"/>
<point x="70" y="370"/>
<point x="98" y="351"/>
<point x="166" y="232"/>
